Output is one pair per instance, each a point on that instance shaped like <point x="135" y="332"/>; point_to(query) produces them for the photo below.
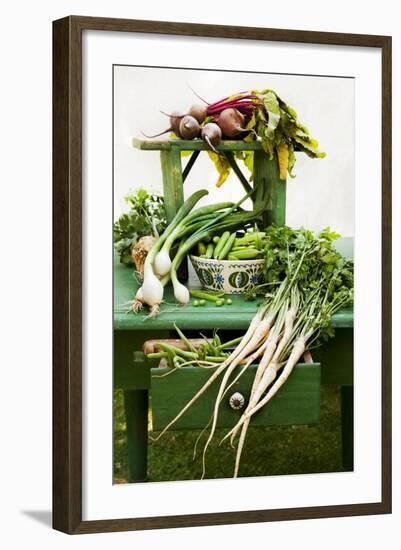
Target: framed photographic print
<point x="222" y="274"/>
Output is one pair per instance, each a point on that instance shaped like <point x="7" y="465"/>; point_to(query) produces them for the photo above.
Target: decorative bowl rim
<point x="258" y="261"/>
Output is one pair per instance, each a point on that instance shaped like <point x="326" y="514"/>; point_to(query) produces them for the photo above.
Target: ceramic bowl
<point x="232" y="277"/>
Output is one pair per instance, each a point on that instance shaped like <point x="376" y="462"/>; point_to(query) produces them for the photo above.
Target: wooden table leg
<point x="173" y="192"/>
<point x="347" y="426"/>
<point x="136" y="415"/>
<point x="266" y="173"/>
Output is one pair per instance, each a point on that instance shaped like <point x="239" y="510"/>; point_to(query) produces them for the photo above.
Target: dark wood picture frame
<point x="67" y="275"/>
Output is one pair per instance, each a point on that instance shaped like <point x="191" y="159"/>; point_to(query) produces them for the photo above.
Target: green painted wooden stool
<point x="265" y="172"/>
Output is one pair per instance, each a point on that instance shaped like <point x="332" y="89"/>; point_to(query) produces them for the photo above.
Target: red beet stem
<point x="235" y="97"/>
<point x="235" y="104"/>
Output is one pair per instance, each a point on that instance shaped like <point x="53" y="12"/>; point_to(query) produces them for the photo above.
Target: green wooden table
<point x="132" y="373"/>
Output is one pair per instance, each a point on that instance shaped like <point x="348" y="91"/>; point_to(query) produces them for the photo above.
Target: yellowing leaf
<point x="310" y="147"/>
<point x="283" y="156"/>
<point x="222" y="166"/>
<point x="291" y="160"/>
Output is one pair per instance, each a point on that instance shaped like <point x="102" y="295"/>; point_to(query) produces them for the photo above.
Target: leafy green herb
<point x="145" y="217"/>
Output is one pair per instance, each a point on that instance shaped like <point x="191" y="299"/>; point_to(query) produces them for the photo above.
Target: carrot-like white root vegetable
<point x="268" y="377"/>
<point x="267" y="355"/>
<point x="259" y="335"/>
<point x="247" y="362"/>
<point x="267" y="369"/>
<point x="296" y="354"/>
<point x="268" y="352"/>
<point x="238" y="350"/>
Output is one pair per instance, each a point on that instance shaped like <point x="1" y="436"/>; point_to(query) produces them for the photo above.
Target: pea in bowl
<point x="229" y="276"/>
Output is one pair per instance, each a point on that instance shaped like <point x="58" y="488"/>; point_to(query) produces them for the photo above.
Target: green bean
<point x="227" y="247"/>
<point x="220" y="245"/>
<point x="248" y="238"/>
<point x="203" y="295"/>
<point x="247" y="254"/>
<point x="209" y="250"/>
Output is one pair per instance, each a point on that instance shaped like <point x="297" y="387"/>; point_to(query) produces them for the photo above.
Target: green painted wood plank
<point x="337" y="358"/>
<point x="172" y="182"/>
<point x="194" y="145"/>
<point x="236" y="316"/>
<point x="130" y="368"/>
<point x="136" y="416"/>
<point x="347" y="426"/>
<point x="297" y="402"/>
<point x="189" y="165"/>
<point x="265" y="172"/>
<point x="173" y="192"/>
<point x="236" y="169"/>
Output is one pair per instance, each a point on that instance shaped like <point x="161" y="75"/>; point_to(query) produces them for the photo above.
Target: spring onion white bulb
<point x="152" y="290"/>
<point x="181" y="293"/>
<point x="137" y="303"/>
<point x="162" y="263"/>
<point x="138" y="295"/>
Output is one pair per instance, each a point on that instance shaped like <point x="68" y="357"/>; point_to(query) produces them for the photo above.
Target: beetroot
<point x="189" y="127"/>
<point x="212" y="134"/>
<point x="175" y="120"/>
<point x="231" y="122"/>
<point x="198" y="111"/>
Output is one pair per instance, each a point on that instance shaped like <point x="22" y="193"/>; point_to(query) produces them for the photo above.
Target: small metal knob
<point x="237" y="401"/>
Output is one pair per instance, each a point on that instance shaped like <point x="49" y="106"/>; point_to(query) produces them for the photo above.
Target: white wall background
<point x="26" y="274"/>
<point x="322" y="194"/>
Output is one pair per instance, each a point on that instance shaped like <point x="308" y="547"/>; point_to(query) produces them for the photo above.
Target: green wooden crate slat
<point x="193" y="145"/>
<point x="236" y="316"/>
<point x="297" y="402"/>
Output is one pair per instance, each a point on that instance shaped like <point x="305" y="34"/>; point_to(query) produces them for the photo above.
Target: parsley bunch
<point x="146" y="216"/>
